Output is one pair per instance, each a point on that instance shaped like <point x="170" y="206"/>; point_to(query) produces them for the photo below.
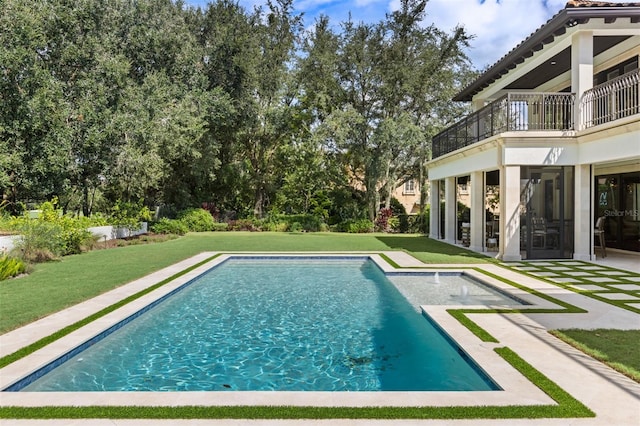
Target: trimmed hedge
<point x="356" y="226"/>
<point x="197" y="220"/>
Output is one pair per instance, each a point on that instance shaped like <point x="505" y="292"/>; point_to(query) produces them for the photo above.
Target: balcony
<point x="513" y="112"/>
<point x="531" y="111"/>
<point x="615" y="99"/>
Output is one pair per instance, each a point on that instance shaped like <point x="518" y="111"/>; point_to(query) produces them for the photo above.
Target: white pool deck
<point x="614" y="398"/>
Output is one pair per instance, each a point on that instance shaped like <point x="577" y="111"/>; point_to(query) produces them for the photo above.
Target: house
<point x="408" y="194"/>
<point x="553" y="143"/>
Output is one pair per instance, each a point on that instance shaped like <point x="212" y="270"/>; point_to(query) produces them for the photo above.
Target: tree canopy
<point x="107" y="101"/>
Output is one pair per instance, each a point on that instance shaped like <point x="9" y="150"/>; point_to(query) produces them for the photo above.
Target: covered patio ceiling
<point x="575" y="13"/>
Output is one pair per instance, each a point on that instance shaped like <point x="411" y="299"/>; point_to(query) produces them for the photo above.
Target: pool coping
<point x="517" y="389"/>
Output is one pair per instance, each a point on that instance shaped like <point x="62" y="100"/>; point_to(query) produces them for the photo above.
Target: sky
<point x="498" y="25"/>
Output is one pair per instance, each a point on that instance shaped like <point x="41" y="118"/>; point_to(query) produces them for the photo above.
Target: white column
<point x="510" y="213"/>
<point x="478" y="104"/>
<point x="477" y="211"/>
<point x="434" y="209"/>
<point x="581" y="81"/>
<point x="583" y="226"/>
<point x="450" y="233"/>
<point x="581" y="71"/>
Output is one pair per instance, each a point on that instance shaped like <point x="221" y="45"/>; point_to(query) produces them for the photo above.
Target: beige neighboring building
<point x="409" y="196"/>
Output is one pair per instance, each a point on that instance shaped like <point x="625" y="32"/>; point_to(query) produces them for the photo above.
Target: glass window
<point x="618" y="201"/>
<point x="409" y="187"/>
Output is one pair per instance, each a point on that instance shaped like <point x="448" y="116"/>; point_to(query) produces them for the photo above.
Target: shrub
<point x="75" y="238"/>
<point x="51" y="234"/>
<point x="273" y="227"/>
<point x="394" y="223"/>
<point x="422" y="222"/>
<point x="220" y="226"/>
<point x="212" y="209"/>
<point x="197" y="220"/>
<point x="294" y="223"/>
<point x="356" y="226"/>
<point x="129" y="214"/>
<point x="6" y="224"/>
<point x="307" y="222"/>
<point x="382" y="221"/>
<point x="170" y="226"/>
<point x="11" y="267"/>
<point x="41" y="241"/>
<point x="401" y="223"/>
<point x="245" y="225"/>
<point x="73" y="234"/>
<point x="96" y="219"/>
<point x="397" y="208"/>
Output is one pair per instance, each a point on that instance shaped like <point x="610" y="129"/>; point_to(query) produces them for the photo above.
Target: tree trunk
<point x="422" y="181"/>
<point x="86" y="208"/>
<point x="387" y="186"/>
<point x="258" y="202"/>
<point x="372" y="197"/>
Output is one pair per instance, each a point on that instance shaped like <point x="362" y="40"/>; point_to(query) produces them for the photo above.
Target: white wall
<point x="7" y="243"/>
<point x="618" y="144"/>
<point x="526" y="154"/>
<point x="466" y="162"/>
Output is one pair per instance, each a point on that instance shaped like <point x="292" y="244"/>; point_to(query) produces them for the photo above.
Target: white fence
<point x="7" y="243"/>
<point x="106" y="233"/>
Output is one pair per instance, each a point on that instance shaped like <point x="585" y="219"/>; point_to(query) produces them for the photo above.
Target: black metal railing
<point x="615" y="99"/>
<point x="516" y="111"/>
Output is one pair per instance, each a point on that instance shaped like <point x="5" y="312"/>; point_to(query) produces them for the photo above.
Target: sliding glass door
<point x="546" y="222"/>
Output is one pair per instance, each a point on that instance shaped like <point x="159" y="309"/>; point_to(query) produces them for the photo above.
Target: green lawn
<point x="55" y="285"/>
<point x="616" y="348"/>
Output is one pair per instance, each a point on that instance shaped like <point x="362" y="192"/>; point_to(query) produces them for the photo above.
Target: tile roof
<point x="588" y="3"/>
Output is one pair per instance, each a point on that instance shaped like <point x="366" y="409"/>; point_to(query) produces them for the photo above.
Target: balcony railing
<point x="521" y="111"/>
<point x="617" y="98"/>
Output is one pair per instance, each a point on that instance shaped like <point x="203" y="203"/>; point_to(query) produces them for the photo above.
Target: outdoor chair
<point x="599" y="232"/>
<point x="543" y="235"/>
<point x="538" y="232"/>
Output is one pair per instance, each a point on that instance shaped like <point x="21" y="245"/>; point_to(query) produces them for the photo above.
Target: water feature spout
<point x="436" y="278"/>
<point x="464" y="291"/>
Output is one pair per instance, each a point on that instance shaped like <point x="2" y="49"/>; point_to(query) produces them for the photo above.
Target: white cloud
<point x="498" y="25"/>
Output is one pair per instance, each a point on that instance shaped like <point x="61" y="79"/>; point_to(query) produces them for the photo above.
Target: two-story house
<point x="408" y="194"/>
<point x="553" y="143"/>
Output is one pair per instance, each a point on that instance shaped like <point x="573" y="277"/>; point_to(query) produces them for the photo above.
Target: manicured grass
<point x="616" y="348"/>
<point x="577" y="274"/>
<point x="56" y="285"/>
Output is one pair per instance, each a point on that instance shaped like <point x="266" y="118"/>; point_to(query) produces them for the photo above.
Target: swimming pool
<point x="261" y="324"/>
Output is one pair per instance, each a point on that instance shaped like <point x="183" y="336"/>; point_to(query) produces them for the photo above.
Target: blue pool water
<point x="275" y="324"/>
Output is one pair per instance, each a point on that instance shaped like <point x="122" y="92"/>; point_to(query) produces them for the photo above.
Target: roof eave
<point x="554" y="27"/>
